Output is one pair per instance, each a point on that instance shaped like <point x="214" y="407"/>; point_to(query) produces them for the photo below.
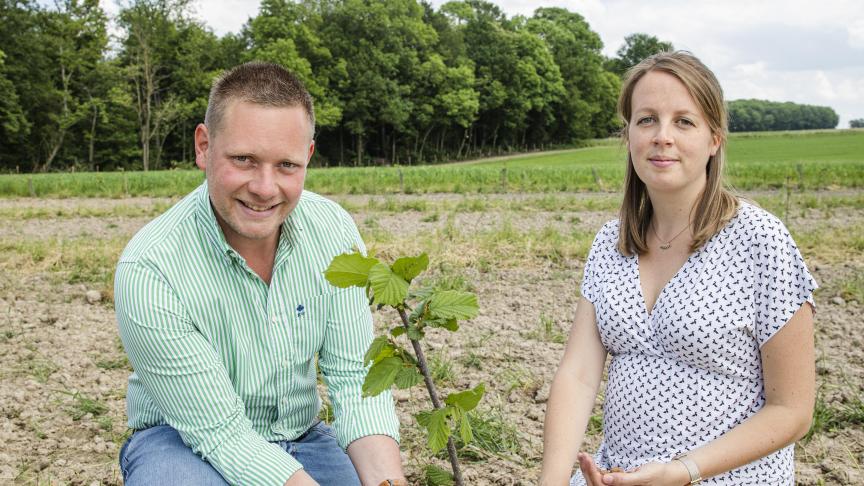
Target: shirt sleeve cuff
<point x="375" y="416"/>
<point x="249" y="459"/>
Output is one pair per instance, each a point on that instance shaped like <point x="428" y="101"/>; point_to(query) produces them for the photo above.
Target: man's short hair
<point x="261" y="83"/>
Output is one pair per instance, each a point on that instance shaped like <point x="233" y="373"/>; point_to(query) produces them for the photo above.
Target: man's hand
<point x="300" y="478"/>
<point x="652" y="474"/>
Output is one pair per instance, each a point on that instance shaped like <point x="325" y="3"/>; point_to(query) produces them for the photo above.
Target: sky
<point x="803" y="51"/>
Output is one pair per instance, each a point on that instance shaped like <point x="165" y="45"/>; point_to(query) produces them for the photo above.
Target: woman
<point x="703" y="302"/>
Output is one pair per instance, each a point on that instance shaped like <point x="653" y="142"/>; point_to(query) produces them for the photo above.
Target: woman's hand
<point x="652" y="474"/>
<point x="589" y="469"/>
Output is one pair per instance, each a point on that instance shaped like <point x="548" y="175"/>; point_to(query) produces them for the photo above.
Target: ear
<point x="202" y="145"/>
<point x="311" y="151"/>
<point x="715" y="144"/>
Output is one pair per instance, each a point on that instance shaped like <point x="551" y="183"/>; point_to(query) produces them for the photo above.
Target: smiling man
<point x="223" y="309"/>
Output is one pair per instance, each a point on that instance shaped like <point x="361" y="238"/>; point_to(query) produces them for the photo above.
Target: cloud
<point x="855" y="32"/>
<point x="225" y="16"/>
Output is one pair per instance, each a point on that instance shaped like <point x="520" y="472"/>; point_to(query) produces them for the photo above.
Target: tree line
<point x="394" y="81"/>
<point x="762" y="115"/>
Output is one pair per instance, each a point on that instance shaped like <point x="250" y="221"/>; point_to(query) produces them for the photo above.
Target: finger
<point x="634" y="478"/>
<point x="589" y="469"/>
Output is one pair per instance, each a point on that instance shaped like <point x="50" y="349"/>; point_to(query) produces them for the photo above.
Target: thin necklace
<point x="668" y="244"/>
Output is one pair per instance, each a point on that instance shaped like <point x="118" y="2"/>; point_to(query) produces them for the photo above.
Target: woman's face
<point x="669" y="139"/>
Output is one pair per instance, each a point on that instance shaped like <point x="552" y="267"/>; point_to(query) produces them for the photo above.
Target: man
<point x="222" y="307"/>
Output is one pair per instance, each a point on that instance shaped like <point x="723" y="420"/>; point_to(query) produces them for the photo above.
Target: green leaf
<point x="438" y="476"/>
<point x="421" y="293"/>
<point x="415" y="333"/>
<point x="375" y="347"/>
<point x="410" y="267"/>
<point x="350" y="269"/>
<point x="388" y="288"/>
<point x="467" y="399"/>
<point x="381" y="376"/>
<point x="397" y="331"/>
<point x="439" y="429"/>
<point x="453" y="304"/>
<point x="417" y="313"/>
<point x="423" y="418"/>
<point x="407" y="377"/>
<point x="465" y="431"/>
<point x="449" y="324"/>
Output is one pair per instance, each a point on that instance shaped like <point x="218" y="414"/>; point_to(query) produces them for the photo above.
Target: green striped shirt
<point x="229" y="361"/>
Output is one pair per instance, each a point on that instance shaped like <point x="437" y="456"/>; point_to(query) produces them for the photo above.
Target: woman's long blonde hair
<point x="717" y="204"/>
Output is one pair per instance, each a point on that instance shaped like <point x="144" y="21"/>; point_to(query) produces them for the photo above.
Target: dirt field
<point x="63" y="370"/>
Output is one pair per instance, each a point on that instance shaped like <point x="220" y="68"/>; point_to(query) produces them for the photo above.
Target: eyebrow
<point x="676" y="113"/>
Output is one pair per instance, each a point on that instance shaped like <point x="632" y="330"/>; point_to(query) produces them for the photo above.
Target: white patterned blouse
<point x="691" y="370"/>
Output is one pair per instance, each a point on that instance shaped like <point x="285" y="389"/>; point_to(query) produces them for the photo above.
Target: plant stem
<point x="436" y="402"/>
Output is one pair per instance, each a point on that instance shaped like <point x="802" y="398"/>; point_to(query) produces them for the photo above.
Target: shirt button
<point x="275" y="319"/>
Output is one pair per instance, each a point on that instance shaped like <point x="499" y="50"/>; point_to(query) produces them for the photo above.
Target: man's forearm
<point x="376" y="458"/>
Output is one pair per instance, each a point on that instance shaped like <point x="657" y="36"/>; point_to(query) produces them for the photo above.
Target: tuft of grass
<point x="37" y="430"/>
<point x="471" y="205"/>
<point x="547" y="330"/>
<point x="449" y="280"/>
<point x="82" y="405"/>
<point x="121" y="362"/>
<point x="40" y="368"/>
<point x="442" y="369"/>
<point x="106" y="423"/>
<point x="828" y="417"/>
<point x="473" y="360"/>
<point x="494" y="435"/>
<point x="852" y="288"/>
<point x="518" y="379"/>
<point x="431" y="218"/>
<point x="595" y="424"/>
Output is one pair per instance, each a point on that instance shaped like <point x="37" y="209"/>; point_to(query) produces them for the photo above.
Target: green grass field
<point x="812" y="160"/>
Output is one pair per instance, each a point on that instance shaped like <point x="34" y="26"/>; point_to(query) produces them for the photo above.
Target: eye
<point x="686" y="122"/>
<point x="240" y="159"/>
<point x="645" y="120"/>
<point x="288" y="165"/>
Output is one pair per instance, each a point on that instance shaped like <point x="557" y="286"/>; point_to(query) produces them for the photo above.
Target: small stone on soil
<point x="93" y="296"/>
<point x="542" y="394"/>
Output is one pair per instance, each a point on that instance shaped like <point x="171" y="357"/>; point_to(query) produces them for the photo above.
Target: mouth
<point x="662" y="161"/>
<point x="258" y="210"/>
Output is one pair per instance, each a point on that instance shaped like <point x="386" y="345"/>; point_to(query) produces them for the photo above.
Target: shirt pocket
<point x="307" y="318"/>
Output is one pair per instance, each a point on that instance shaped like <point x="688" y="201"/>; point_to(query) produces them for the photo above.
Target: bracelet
<point x="692" y="468"/>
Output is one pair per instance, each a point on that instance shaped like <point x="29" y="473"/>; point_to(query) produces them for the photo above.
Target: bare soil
<point x="63" y="371"/>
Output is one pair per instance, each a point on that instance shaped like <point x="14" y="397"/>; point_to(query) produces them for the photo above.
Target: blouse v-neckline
<point x="649" y="313"/>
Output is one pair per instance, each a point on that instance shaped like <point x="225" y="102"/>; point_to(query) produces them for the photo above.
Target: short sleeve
<point x="782" y="282"/>
<point x="598" y="254"/>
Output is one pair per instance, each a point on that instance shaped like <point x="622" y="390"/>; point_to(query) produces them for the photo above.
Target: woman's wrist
<point x="678" y="472"/>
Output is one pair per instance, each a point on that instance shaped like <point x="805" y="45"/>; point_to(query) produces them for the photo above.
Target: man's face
<point x="255" y="165"/>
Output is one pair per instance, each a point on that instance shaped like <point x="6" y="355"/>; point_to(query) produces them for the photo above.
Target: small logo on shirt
<point x="300" y="310"/>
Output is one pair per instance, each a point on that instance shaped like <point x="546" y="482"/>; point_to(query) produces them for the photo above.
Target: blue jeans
<point x="158" y="456"/>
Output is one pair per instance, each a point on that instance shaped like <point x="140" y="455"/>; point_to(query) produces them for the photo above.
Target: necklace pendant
<point x="666" y="246"/>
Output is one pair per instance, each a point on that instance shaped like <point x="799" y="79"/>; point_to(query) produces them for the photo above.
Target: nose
<point x="263" y="183"/>
<point x="662" y="136"/>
